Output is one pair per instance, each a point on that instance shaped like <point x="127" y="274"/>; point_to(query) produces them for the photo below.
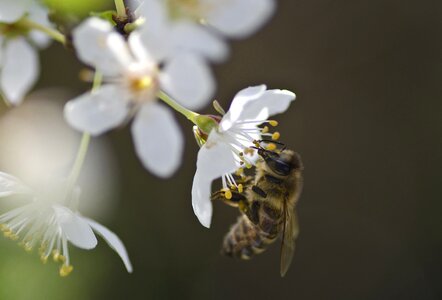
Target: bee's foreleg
<point x="232" y="197"/>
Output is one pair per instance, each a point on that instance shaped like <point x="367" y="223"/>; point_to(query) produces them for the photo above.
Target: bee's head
<point x="282" y="163"/>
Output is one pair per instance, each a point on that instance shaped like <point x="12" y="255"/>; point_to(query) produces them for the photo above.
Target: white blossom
<point x="132" y="80"/>
<point x="199" y="25"/>
<point x="12" y="10"/>
<point x="50" y="221"/>
<point x="227" y="147"/>
<point x="19" y="63"/>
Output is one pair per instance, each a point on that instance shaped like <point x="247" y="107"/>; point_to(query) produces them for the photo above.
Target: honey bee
<point x="268" y="207"/>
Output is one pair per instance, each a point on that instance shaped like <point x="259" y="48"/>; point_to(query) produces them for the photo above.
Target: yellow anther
<point x="44" y="259"/>
<point x="65" y="270"/>
<point x="271" y="147"/>
<point x="7" y="233"/>
<point x="273" y="123"/>
<point x="14" y="237"/>
<point x="249" y="151"/>
<point x="240" y="171"/>
<point x="276" y="135"/>
<point x="28" y="248"/>
<point x="248" y="166"/>
<point x="228" y="194"/>
<point x="3" y="227"/>
<point x="57" y="257"/>
<point x="265" y="129"/>
<point x="256" y="143"/>
<point x="240" y="188"/>
<point x="142" y="83"/>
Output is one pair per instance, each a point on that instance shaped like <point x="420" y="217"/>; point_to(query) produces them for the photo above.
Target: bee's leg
<point x="232" y="198"/>
<point x="245" y="180"/>
<point x="251" y="210"/>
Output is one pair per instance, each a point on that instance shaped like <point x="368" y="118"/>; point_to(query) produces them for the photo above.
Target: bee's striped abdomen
<point x="247" y="238"/>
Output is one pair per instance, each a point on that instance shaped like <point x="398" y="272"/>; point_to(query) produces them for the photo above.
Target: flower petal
<point x="2" y="41"/>
<point x="76" y="229"/>
<point x="98" y="45"/>
<point x="240" y="18"/>
<point x="20" y="69"/>
<point x="215" y="158"/>
<point x="192" y="38"/>
<point x="158" y="139"/>
<point x="113" y="241"/>
<point x="99" y="111"/>
<point x="188" y="79"/>
<point x="9" y="185"/>
<point x="251" y="104"/>
<point x="139" y="49"/>
<point x="274" y="102"/>
<point x="155" y="32"/>
<point x="201" y="203"/>
<point x="12" y="10"/>
<point x="39" y="14"/>
<point x="239" y="103"/>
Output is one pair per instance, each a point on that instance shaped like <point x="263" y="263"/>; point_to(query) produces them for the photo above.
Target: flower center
<point x="244" y="139"/>
<point x="142" y="82"/>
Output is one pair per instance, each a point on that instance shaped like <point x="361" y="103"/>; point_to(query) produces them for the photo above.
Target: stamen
<point x="276" y="135"/>
<point x="239" y="172"/>
<point x="142" y="83"/>
<point x="44" y="259"/>
<point x="273" y="123"/>
<point x="65" y="270"/>
<point x="249" y="151"/>
<point x="28" y="247"/>
<point x="228" y="194"/>
<point x="265" y="129"/>
<point x="57" y="257"/>
<point x="240" y="188"/>
<point x="271" y="147"/>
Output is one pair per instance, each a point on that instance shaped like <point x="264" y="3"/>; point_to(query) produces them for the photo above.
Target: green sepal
<point x="205" y="123"/>
<point x="107" y="15"/>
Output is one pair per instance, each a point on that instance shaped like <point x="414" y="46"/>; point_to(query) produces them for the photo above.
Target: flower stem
<point x="53" y="33"/>
<point x="121" y="9"/>
<point x="179" y="108"/>
<point x="79" y="160"/>
<point x="84" y="144"/>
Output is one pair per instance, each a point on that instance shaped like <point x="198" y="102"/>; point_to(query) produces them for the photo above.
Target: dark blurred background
<point x="367" y="122"/>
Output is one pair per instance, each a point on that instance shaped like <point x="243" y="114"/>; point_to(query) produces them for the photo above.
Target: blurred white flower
<point x="19" y="63"/>
<point x="227" y="147"/>
<point x="132" y="79"/>
<point x="50" y="221"/>
<point x="12" y="10"/>
<point x="198" y="25"/>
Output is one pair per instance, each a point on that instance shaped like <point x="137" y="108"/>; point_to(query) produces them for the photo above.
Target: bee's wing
<point x="290" y="232"/>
